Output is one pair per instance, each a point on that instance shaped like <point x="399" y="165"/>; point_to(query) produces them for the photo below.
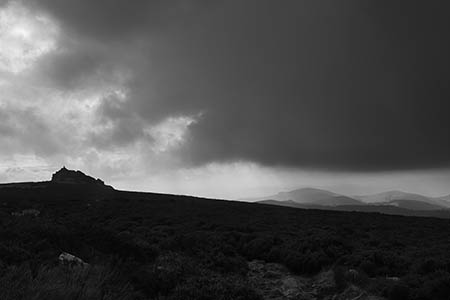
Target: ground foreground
<point x="154" y="246"/>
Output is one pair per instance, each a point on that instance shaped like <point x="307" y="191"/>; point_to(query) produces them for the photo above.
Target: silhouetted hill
<point x="391" y="202"/>
<point x="418" y="209"/>
<point x="413" y="205"/>
<point x="392" y="196"/>
<point x="444" y="198"/>
<point x="158" y="246"/>
<point x="313" y="196"/>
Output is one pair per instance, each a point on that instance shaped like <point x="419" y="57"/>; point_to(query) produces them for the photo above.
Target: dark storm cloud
<point x="353" y="85"/>
<point x="74" y="67"/>
<point x="103" y="36"/>
<point x="107" y="19"/>
<point x="120" y="126"/>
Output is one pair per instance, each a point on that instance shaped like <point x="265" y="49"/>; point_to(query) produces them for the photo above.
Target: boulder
<point x="71" y="260"/>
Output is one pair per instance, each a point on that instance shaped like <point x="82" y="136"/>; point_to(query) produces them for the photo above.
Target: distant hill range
<point x="391" y="202"/>
<point x="313" y="196"/>
<point x="75" y="185"/>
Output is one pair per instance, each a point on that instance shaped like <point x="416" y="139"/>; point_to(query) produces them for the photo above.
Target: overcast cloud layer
<point x="133" y="86"/>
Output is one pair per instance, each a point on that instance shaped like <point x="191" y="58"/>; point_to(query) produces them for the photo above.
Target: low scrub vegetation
<point x="148" y="246"/>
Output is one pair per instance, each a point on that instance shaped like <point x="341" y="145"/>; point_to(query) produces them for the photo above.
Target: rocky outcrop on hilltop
<point x="74" y="177"/>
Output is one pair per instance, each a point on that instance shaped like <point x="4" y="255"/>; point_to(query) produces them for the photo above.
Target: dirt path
<point x="274" y="282"/>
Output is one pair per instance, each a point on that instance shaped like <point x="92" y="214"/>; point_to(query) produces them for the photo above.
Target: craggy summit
<point x="74" y="177"/>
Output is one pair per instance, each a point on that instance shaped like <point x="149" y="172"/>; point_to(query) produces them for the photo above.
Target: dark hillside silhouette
<point x="148" y="245"/>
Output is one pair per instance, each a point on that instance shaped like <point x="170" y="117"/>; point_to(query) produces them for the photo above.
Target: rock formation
<point x="71" y="260"/>
<point x="74" y="177"/>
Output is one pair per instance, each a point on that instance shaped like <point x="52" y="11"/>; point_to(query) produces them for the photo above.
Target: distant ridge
<point x="391" y="196"/>
<point x="394" y="196"/>
<point x="314" y="197"/>
<point x="390" y="202"/>
<point x="445" y="198"/>
<point x="375" y="208"/>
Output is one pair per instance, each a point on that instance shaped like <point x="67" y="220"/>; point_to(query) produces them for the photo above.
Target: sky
<point x="228" y="99"/>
